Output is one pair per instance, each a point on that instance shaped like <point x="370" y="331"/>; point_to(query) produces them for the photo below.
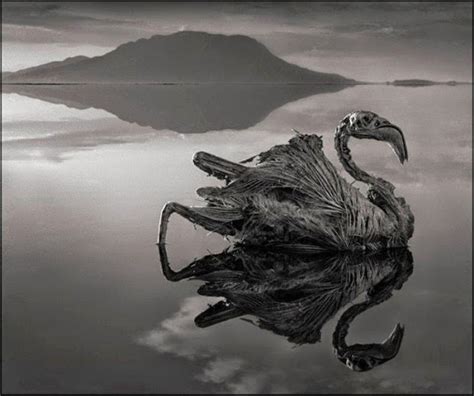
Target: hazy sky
<point x="366" y="41"/>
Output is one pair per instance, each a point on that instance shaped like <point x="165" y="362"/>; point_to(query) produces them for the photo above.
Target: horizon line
<point x="355" y="82"/>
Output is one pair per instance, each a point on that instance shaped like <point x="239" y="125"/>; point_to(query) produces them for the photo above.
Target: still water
<point x="86" y="307"/>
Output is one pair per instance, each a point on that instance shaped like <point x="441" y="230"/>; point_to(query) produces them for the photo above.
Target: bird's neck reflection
<point x="294" y="294"/>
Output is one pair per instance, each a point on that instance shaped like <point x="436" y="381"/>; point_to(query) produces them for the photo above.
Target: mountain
<point x="184" y="108"/>
<point x="183" y="57"/>
<point x="415" y="82"/>
<point x="50" y="67"/>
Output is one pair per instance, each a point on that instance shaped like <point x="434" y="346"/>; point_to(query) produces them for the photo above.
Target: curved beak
<point x="392" y="344"/>
<point x="389" y="133"/>
<point x="393" y="135"/>
<point x="364" y="357"/>
<point x="217" y="313"/>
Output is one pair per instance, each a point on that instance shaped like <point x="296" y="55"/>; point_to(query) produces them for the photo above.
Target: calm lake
<point x="86" y="171"/>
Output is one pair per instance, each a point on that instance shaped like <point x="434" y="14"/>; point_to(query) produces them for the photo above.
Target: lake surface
<point x="86" y="307"/>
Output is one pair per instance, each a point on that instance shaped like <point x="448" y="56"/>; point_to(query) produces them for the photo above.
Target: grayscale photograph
<point x="236" y="197"/>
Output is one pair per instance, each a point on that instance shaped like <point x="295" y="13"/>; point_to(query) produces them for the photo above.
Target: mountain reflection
<point x="180" y="108"/>
<point x="294" y="294"/>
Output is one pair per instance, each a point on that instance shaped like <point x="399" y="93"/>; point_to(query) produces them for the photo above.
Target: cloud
<point x="434" y="153"/>
<point x="57" y="141"/>
<point x="248" y="384"/>
<point x="220" y="363"/>
<point x="52" y="16"/>
<point x="220" y="370"/>
<point x="178" y="334"/>
<point x="436" y="31"/>
<point x="25" y="23"/>
<point x="247" y="363"/>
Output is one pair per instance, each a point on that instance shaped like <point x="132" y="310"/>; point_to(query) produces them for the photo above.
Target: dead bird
<point x="294" y="295"/>
<point x="295" y="198"/>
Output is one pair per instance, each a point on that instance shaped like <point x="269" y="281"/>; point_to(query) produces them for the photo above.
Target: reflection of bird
<point x="294" y="295"/>
<point x="296" y="197"/>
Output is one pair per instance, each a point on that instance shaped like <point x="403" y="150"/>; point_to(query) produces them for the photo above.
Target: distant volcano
<point x="193" y="108"/>
<point x="183" y="57"/>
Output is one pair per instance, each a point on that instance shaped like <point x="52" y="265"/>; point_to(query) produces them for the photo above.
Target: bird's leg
<point x="199" y="216"/>
<point x="201" y="267"/>
<point x="165" y="265"/>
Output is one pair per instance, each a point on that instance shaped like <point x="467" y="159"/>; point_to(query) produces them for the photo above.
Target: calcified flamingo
<point x="295" y="198"/>
<point x="294" y="295"/>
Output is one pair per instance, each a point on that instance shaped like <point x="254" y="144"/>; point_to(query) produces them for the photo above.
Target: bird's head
<point x="364" y="357"/>
<point x="368" y="125"/>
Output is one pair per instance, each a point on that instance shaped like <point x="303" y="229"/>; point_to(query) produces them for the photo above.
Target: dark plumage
<point x="294" y="295"/>
<point x="294" y="197"/>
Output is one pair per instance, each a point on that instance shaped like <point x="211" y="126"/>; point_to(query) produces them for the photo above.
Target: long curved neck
<point x="381" y="192"/>
<point x="402" y="262"/>
<point x="384" y="292"/>
<point x="344" y="322"/>
<point x="344" y="154"/>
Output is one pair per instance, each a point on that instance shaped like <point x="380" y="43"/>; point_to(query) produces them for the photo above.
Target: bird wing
<point x="299" y="179"/>
<point x="302" y="166"/>
<point x="298" y="168"/>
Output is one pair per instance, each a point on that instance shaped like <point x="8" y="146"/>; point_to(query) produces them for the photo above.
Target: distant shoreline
<point x="391" y="83"/>
<point x="175" y="83"/>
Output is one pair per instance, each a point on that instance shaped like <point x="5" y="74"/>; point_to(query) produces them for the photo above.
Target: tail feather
<point x="218" y="167"/>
